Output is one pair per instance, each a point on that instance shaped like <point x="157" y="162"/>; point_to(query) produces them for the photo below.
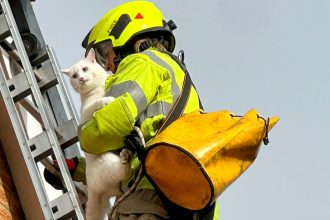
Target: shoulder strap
<point x="180" y="104"/>
<point x="133" y="142"/>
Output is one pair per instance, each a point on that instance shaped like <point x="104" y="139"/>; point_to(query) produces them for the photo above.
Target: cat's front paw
<point x="125" y="155"/>
<point x="106" y="100"/>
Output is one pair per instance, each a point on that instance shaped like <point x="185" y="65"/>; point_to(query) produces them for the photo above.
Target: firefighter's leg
<point x="143" y="204"/>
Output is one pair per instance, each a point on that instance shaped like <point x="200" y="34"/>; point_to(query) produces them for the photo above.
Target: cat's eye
<point x="75" y="75"/>
<point x="85" y="69"/>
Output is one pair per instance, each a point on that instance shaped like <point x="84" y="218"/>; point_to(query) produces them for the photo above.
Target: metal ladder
<point x="37" y="78"/>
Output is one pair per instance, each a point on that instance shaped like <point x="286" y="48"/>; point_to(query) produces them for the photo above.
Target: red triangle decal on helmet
<point x="138" y="16"/>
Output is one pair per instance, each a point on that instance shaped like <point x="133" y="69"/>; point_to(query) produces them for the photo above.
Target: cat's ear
<point x="65" y="71"/>
<point x="91" y="56"/>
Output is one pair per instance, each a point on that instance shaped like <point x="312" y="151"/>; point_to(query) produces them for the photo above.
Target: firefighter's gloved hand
<point x="73" y="166"/>
<point x="53" y="180"/>
<point x="134" y="143"/>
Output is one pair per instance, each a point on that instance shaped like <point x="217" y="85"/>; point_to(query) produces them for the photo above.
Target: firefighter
<point x="135" y="43"/>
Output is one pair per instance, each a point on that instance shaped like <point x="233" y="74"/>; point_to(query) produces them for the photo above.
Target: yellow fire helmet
<point x="127" y="21"/>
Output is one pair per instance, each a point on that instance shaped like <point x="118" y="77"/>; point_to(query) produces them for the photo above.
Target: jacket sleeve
<point x="134" y="85"/>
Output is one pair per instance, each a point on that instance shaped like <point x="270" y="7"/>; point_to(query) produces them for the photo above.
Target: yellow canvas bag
<point x="199" y="155"/>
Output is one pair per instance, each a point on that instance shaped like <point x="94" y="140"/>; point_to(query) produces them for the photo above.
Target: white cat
<point x="104" y="172"/>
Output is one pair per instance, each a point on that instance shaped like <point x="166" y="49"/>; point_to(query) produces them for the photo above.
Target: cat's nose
<point x="82" y="79"/>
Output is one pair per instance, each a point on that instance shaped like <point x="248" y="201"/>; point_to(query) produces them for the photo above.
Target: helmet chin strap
<point x="120" y="55"/>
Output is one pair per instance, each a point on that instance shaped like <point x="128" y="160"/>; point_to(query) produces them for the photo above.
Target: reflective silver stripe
<point x="157" y="108"/>
<point x="161" y="107"/>
<point x="139" y="97"/>
<point x="174" y="87"/>
<point x="134" y="90"/>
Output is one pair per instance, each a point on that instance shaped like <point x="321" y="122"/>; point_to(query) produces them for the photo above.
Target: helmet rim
<point x="121" y="27"/>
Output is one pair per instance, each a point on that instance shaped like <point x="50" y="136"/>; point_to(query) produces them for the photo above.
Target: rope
<point x="265" y="139"/>
<point x="129" y="192"/>
<point x="135" y="184"/>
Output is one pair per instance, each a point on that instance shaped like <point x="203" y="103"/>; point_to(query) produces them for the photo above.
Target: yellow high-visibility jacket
<point x="145" y="87"/>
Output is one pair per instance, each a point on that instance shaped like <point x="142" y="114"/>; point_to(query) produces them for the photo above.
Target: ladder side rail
<point x="67" y="101"/>
<point x="23" y="142"/>
<point x="63" y="89"/>
<point x="19" y="127"/>
<point x="40" y="104"/>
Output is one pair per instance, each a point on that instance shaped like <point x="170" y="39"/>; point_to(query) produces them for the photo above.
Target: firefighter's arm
<point x="109" y="126"/>
<point x="134" y="91"/>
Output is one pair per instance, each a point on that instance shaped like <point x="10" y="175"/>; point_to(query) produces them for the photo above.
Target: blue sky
<point x="272" y="55"/>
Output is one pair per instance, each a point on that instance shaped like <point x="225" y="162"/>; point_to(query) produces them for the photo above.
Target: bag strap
<point x="180" y="103"/>
<point x="133" y="141"/>
<point x="182" y="100"/>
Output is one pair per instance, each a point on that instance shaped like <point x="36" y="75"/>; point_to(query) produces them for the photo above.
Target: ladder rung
<point x="62" y="207"/>
<point x="67" y="134"/>
<point x="19" y="86"/>
<point x="46" y="75"/>
<point x="40" y="146"/>
<point x="41" y="58"/>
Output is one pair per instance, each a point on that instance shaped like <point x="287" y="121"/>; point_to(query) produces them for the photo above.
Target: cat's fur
<point x="104" y="172"/>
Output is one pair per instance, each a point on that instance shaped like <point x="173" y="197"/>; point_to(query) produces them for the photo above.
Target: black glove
<point x="55" y="181"/>
<point x="134" y="143"/>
